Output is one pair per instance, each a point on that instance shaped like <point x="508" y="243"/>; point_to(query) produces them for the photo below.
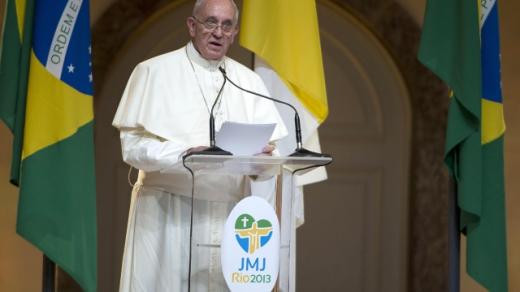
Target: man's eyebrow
<point x="214" y="19"/>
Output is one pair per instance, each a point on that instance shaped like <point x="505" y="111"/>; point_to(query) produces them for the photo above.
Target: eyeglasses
<point x="211" y="25"/>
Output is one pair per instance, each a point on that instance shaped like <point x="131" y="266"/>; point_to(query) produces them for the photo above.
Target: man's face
<point x="213" y="44"/>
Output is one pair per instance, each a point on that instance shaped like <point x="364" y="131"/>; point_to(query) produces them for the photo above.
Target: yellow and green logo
<point x="251" y="234"/>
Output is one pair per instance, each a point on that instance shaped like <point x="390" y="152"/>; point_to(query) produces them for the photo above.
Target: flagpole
<point x="453" y="239"/>
<point x="48" y="275"/>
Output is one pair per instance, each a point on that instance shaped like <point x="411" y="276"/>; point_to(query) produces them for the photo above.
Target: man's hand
<point x="268" y="149"/>
<point x="196" y="149"/>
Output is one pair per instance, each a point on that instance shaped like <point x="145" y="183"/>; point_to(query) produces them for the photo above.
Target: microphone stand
<point x="299" y="151"/>
<point x="213" y="149"/>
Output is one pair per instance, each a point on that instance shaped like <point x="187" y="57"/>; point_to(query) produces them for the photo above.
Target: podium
<point x="210" y="211"/>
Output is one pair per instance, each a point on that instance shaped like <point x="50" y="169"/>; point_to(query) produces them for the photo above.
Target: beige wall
<point x="97" y="8"/>
<point x="415" y="8"/>
<point x="19" y="261"/>
<point x="510" y="41"/>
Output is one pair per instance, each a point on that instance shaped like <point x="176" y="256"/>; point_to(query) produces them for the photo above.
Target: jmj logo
<point x="252" y="235"/>
<point x="250" y="246"/>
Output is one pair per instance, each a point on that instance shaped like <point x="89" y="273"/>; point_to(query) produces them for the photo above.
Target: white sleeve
<point x="148" y="152"/>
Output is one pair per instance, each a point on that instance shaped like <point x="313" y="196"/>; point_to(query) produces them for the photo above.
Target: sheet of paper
<point x="244" y="139"/>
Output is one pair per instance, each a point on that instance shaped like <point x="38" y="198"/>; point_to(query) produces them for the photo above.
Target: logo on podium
<point x="250" y="246"/>
<point x="252" y="235"/>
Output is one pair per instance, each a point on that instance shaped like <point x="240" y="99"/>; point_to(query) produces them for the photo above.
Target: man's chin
<point x="215" y="54"/>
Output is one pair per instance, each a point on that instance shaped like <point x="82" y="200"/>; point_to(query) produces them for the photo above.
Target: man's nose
<point x="217" y="32"/>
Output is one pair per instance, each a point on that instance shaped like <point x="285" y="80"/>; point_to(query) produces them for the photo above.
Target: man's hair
<point x="198" y="5"/>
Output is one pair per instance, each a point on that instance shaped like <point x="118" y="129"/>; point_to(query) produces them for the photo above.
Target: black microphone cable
<point x="213" y="149"/>
<point x="299" y="151"/>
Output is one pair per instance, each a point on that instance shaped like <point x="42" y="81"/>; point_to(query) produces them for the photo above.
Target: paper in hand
<point x="244" y="139"/>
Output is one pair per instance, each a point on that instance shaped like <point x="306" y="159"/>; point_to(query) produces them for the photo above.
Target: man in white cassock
<point x="163" y="115"/>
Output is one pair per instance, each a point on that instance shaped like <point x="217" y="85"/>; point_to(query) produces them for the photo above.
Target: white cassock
<point x="163" y="112"/>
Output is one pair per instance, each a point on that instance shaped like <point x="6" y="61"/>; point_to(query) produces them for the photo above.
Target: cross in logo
<point x="254" y="233"/>
<point x="244" y="221"/>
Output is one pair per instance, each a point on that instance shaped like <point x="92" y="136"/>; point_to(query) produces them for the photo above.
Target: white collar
<point x="195" y="57"/>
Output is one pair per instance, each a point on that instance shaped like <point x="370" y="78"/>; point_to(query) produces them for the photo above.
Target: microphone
<point x="213" y="149"/>
<point x="299" y="151"/>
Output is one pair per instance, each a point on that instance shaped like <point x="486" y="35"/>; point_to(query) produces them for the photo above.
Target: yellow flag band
<point x="493" y="125"/>
<point x="20" y="15"/>
<point x="54" y="110"/>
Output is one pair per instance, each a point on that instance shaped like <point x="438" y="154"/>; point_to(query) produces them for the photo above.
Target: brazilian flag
<point x="460" y="43"/>
<point x="46" y="101"/>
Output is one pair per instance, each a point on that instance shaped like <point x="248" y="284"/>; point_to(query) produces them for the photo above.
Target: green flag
<point x="15" y="46"/>
<point x="460" y="44"/>
<point x="47" y="103"/>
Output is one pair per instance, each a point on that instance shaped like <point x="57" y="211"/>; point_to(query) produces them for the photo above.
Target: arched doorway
<point x="356" y="228"/>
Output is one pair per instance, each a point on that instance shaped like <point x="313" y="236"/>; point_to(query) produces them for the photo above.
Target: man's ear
<point x="235" y="32"/>
<point x="190" y="22"/>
